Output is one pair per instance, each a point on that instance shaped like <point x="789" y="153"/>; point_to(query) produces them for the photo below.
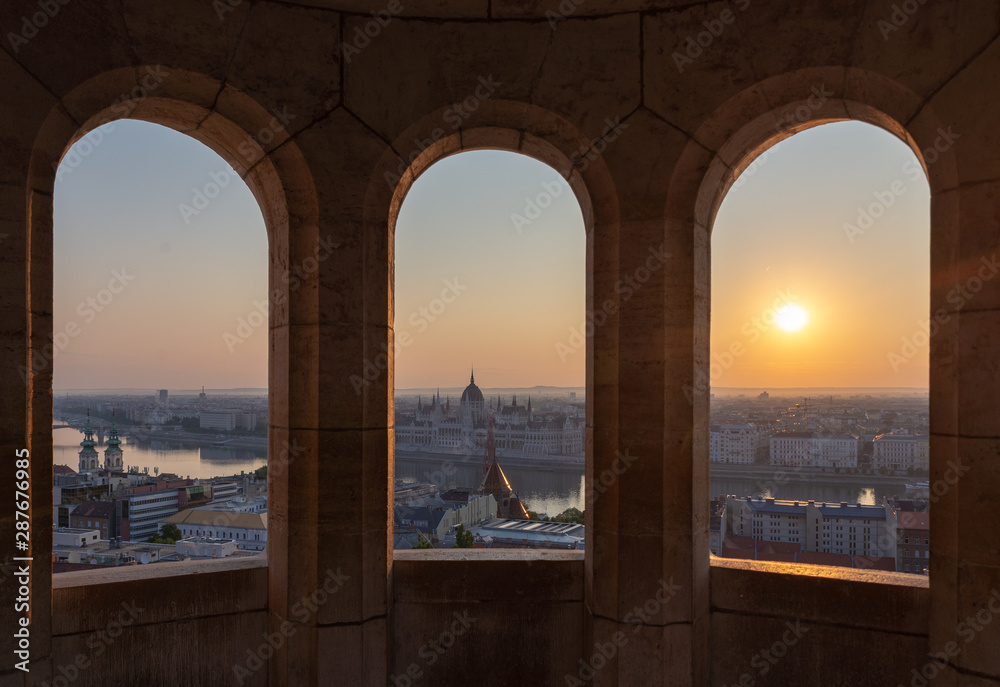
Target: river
<point x="544" y="491"/>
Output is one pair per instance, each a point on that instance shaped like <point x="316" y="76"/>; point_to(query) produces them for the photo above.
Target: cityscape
<point x="826" y="479"/>
<point x="565" y="343"/>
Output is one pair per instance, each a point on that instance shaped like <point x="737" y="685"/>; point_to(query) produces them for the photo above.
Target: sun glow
<point x="792" y="318"/>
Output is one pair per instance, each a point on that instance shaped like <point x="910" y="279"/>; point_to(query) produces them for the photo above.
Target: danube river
<point x="185" y="461"/>
<point x="543" y="489"/>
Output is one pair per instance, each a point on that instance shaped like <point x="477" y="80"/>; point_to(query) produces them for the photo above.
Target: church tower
<point x="88" y="454"/>
<point x="113" y="453"/>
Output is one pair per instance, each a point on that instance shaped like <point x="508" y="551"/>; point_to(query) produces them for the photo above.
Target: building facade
<point x="844" y="528"/>
<point x="519" y="431"/>
<point x="899" y="453"/>
<point x="248" y="530"/>
<point x="738" y="444"/>
<point x="814" y="450"/>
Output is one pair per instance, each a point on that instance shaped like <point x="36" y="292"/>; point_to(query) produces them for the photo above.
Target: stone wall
<point x="650" y="110"/>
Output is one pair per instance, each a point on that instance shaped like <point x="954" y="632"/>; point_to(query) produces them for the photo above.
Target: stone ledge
<point x="90" y="601"/>
<point x="864" y="599"/>
<point x="519" y="555"/>
<point x="130" y="573"/>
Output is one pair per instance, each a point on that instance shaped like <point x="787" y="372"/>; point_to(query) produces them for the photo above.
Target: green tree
<point x="169" y="534"/>
<point x="260" y="473"/>
<point x="532" y="515"/>
<point x="422" y="543"/>
<point x="464" y="539"/>
<point x="570" y="515"/>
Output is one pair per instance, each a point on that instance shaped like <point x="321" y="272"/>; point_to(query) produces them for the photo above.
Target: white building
<point x="814" y="450"/>
<point x="479" y="509"/>
<point x="738" y="444"/>
<point x="847" y="528"/>
<point x="206" y="547"/>
<point x="74" y="536"/>
<point x="901" y="452"/>
<point x="248" y="530"/>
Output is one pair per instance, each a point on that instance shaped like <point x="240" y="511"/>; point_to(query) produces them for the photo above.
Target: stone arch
<point x="229" y="123"/>
<point x="531" y="131"/>
<point x="737" y="133"/>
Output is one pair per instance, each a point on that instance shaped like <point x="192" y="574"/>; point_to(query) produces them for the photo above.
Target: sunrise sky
<point x="780" y="236"/>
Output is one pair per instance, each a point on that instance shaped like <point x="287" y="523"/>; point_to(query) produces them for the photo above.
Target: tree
<point x="169" y="534"/>
<point x="532" y="515"/>
<point x="570" y="515"/>
<point x="422" y="543"/>
<point x="260" y="473"/>
<point x="464" y="539"/>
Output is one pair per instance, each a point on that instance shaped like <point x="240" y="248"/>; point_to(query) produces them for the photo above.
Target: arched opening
<point x="490" y="354"/>
<point x="819" y="439"/>
<point x="160" y="315"/>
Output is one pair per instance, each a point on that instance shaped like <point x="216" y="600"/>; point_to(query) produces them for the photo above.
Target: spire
<point x="419" y="404"/>
<point x="529" y="404"/>
<point x="472" y="377"/>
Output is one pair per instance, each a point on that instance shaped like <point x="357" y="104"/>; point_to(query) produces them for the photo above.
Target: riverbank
<point x="769" y="473"/>
<point x="207" y="440"/>
<point x="573" y="464"/>
<point x="764" y="474"/>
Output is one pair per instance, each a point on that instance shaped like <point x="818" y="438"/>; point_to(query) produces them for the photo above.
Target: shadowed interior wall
<point x="649" y="132"/>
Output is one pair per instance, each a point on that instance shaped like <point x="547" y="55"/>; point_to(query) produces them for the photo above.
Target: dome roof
<point x="472" y="394"/>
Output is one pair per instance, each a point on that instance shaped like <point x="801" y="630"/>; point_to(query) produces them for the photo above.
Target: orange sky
<point x="490" y="269"/>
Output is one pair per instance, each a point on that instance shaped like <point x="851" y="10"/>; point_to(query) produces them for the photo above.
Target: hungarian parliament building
<point x="438" y="427"/>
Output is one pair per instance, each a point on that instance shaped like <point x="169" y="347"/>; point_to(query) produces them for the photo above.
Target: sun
<point x="792" y="317"/>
